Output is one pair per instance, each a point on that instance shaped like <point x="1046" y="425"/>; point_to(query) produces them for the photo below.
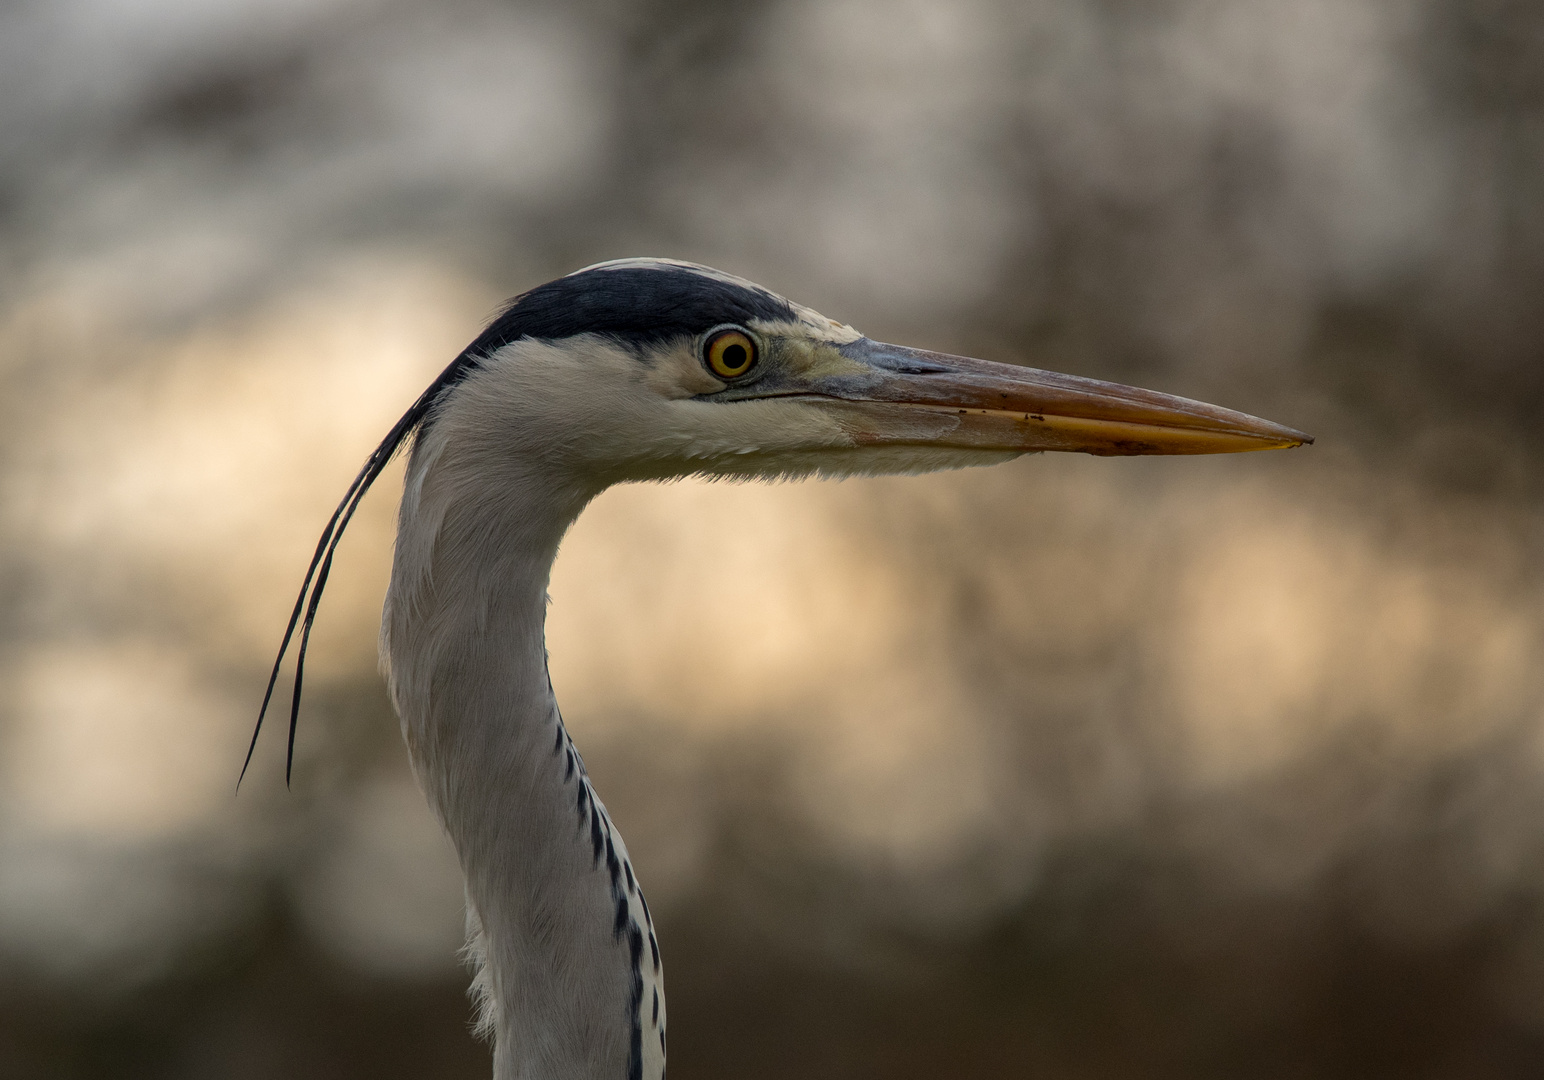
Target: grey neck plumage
<point x="570" y="978"/>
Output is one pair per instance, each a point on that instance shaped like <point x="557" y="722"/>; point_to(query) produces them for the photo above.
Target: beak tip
<point x="1275" y="436"/>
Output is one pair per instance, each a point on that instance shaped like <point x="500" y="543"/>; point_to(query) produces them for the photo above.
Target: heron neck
<point x="570" y="980"/>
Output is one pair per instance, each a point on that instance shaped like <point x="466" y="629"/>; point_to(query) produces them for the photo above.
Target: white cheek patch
<point x="675" y="372"/>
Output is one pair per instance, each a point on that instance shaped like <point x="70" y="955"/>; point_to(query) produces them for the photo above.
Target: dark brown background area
<point x="1068" y="768"/>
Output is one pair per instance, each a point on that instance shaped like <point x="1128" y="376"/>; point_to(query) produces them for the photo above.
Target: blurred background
<point x="1068" y="768"/>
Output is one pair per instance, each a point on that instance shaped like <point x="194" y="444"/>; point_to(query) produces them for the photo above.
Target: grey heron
<point x="639" y="369"/>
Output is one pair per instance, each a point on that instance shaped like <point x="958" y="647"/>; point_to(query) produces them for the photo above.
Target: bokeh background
<point x="1069" y="768"/>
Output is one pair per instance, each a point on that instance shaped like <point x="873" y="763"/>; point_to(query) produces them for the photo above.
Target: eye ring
<point x="729" y="352"/>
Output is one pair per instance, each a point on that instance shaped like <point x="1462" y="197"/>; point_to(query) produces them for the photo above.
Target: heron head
<point x="648" y="368"/>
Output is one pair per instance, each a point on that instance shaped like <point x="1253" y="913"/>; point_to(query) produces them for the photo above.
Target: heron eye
<point x="731" y="353"/>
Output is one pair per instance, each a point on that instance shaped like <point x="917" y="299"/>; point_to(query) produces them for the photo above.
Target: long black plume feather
<point x="315" y="581"/>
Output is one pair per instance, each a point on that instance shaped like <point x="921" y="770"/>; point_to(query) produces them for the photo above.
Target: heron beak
<point x="896" y="395"/>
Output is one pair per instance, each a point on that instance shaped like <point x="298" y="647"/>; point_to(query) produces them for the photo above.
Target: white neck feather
<point x="571" y="982"/>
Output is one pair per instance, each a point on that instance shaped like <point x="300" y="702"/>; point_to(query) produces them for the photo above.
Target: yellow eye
<point x="731" y="353"/>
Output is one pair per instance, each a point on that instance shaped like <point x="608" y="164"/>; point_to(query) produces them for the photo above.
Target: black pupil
<point x="735" y="356"/>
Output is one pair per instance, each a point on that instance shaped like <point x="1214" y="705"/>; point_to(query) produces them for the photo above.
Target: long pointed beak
<point x="1004" y="407"/>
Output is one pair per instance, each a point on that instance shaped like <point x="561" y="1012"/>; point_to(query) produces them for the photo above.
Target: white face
<point x="598" y="413"/>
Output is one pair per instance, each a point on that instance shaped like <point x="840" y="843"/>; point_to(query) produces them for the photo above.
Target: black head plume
<point x="315" y="582"/>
